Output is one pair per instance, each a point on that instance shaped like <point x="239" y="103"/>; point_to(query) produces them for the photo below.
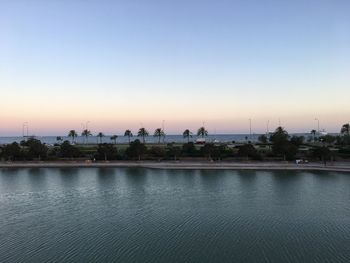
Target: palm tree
<point x="73" y="134"/>
<point x="142" y="133"/>
<point x="313" y="132"/>
<point x="187" y="134"/>
<point x="114" y="138"/>
<point x="129" y="134"/>
<point x="86" y="133"/>
<point x="158" y="133"/>
<point x="345" y="129"/>
<point x="100" y="135"/>
<point x="202" y="132"/>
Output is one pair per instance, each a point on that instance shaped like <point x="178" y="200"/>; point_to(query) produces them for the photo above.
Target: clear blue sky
<point x="122" y="63"/>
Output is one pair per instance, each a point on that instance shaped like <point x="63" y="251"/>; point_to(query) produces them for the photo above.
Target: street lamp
<point x="250" y="129"/>
<point x="318" y="125"/>
<point x="25" y="125"/>
<point x="267" y="127"/>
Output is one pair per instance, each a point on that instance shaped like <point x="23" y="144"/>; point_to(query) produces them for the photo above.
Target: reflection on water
<point x="106" y="177"/>
<point x="37" y="178"/>
<point x="146" y="215"/>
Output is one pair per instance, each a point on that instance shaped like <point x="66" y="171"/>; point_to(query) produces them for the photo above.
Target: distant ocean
<point x="149" y="139"/>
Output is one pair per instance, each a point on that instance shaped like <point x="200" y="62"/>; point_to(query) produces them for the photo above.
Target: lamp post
<point x="25" y="126"/>
<point x="250" y="129"/>
<point x="267" y="127"/>
<point x="318" y="125"/>
<point x="163" y="130"/>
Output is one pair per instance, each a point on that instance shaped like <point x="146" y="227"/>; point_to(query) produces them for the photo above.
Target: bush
<point x="136" y="150"/>
<point x="106" y="151"/>
<point x="11" y="152"/>
<point x="189" y="149"/>
<point x="69" y="151"/>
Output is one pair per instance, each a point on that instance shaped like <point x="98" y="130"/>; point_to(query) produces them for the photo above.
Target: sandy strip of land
<point x="343" y="167"/>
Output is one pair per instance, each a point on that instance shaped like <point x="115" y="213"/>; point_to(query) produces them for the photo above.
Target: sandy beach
<point x="343" y="167"/>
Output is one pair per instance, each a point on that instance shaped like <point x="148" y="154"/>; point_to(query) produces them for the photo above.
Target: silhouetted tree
<point x="202" y="132"/>
<point x="248" y="151"/>
<point x="36" y="149"/>
<point x="262" y="138"/>
<point x="86" y="133"/>
<point x="323" y="153"/>
<point x="135" y="150"/>
<point x="106" y="151"/>
<point x="73" y="134"/>
<point x="187" y="134"/>
<point x="142" y="133"/>
<point x="100" y="135"/>
<point x="345" y="129"/>
<point x="173" y="151"/>
<point x="313" y="132"/>
<point x="281" y="146"/>
<point x="114" y="138"/>
<point x="129" y="134"/>
<point x="189" y="149"/>
<point x="159" y="133"/>
<point x="68" y="151"/>
<point x="11" y="152"/>
<point x="297" y="140"/>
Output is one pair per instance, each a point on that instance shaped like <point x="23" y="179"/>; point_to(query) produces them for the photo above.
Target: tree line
<point x="278" y="145"/>
<point x="142" y="132"/>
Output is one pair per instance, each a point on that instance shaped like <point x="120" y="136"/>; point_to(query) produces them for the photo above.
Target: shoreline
<point x="341" y="167"/>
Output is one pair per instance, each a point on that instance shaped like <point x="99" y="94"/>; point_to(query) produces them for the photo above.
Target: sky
<point x="126" y="64"/>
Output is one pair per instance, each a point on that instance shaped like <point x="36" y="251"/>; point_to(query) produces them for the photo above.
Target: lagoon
<point x="150" y="215"/>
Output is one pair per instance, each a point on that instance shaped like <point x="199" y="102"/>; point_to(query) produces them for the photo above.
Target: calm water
<point x="141" y="215"/>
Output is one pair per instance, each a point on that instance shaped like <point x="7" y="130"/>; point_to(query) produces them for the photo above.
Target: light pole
<point x="163" y="130"/>
<point x="25" y="125"/>
<point x="267" y="127"/>
<point x="250" y="129"/>
<point x="318" y="125"/>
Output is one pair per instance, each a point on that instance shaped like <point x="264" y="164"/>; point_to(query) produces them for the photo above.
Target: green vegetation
<point x="345" y="129"/>
<point x="114" y="138"/>
<point x="278" y="145"/>
<point x="86" y="133"/>
<point x="142" y="133"/>
<point x="159" y="133"/>
<point x="73" y="134"/>
<point x="202" y="132"/>
<point x="128" y="133"/>
<point x="187" y="134"/>
<point x="100" y="135"/>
